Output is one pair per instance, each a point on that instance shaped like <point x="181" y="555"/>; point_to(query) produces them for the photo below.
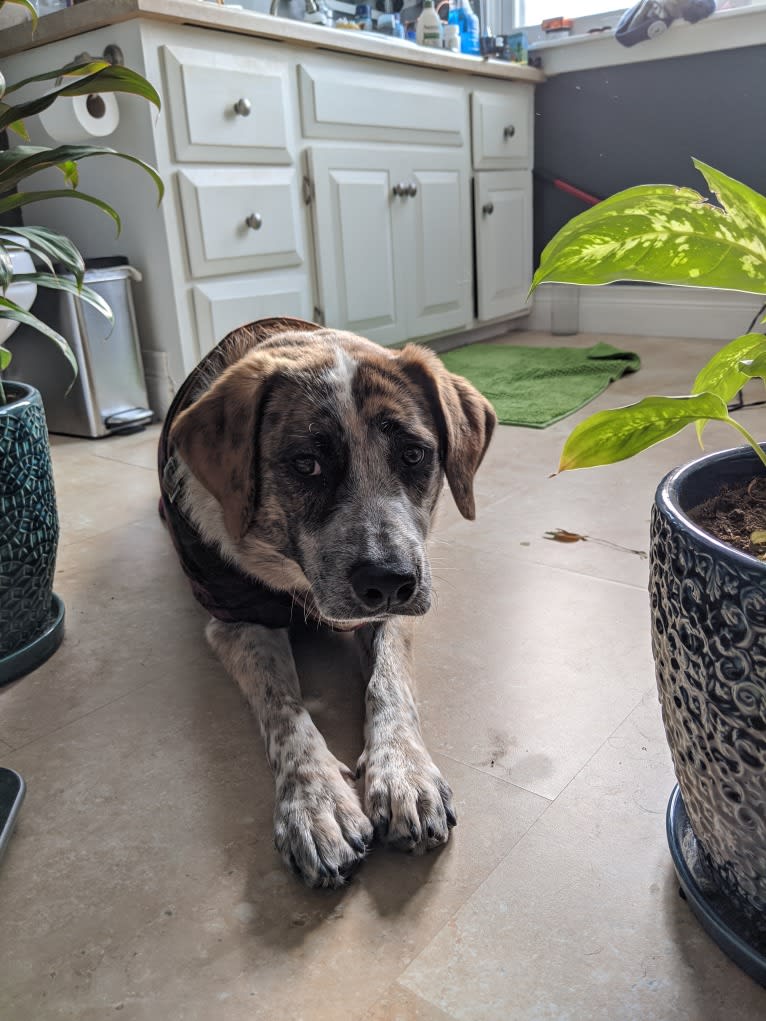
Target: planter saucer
<point x="740" y="939"/>
<point x="34" y="653"/>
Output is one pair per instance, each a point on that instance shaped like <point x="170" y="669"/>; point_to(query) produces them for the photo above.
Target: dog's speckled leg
<point x="319" y="826"/>
<point x="407" y="799"/>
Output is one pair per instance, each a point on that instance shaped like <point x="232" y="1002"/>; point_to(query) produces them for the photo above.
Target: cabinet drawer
<point x="223" y="305"/>
<point x="501" y="129"/>
<point x="238" y="220"/>
<point x="225" y="108"/>
<point x="379" y="108"/>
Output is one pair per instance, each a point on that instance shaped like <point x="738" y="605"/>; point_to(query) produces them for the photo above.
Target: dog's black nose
<point x="379" y="588"/>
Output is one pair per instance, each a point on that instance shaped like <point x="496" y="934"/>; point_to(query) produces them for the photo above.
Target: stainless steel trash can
<point x="109" y="394"/>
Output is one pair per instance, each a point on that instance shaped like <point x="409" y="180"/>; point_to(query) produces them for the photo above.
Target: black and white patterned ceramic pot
<point x="29" y="531"/>
<point x="709" y="642"/>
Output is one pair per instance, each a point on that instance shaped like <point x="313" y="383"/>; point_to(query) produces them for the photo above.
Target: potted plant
<point x="31" y="616"/>
<point x="708" y="596"/>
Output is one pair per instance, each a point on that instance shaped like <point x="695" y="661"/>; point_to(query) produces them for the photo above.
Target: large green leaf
<point x="47" y="245"/>
<point x="30" y="7"/>
<point x="6" y="268"/>
<point x="26" y="198"/>
<point x="65" y="283"/>
<point x="23" y="160"/>
<point x="107" y="78"/>
<point x="611" y="436"/>
<point x="10" y="310"/>
<point x="722" y="375"/>
<point x="662" y="234"/>
<point x="755" y="367"/>
<point x="5" y="358"/>
<point x="77" y="67"/>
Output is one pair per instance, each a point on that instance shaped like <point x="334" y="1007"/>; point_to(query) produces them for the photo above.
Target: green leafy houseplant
<point x="707" y="596"/>
<point x="46" y="247"/>
<point x="31" y="615"/>
<point x="662" y="234"/>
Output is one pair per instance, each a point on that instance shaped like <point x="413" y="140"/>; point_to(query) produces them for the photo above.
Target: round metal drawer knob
<point x="412" y="190"/>
<point x="243" y="107"/>
<point x="488" y="209"/>
<point x="254" y="221"/>
<point x="509" y="132"/>
<point x="401" y="190"/>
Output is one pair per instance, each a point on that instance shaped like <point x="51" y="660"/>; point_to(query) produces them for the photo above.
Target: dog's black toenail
<point x="431" y="831"/>
<point x="451" y="818"/>
<point x="357" y="843"/>
<point x="415" y="832"/>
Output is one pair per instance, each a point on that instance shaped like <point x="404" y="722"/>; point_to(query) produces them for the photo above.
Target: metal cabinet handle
<point x="509" y="131"/>
<point x="412" y="189"/>
<point x="488" y="208"/>
<point x="243" y="107"/>
<point x="401" y="190"/>
<point x="254" y="221"/>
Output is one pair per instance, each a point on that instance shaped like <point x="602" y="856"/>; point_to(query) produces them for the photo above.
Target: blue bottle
<point x="461" y="14"/>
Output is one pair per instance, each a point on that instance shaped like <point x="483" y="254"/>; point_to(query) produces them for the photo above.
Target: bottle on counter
<point x="428" y="28"/>
<point x="461" y="14"/>
<point x="452" y="38"/>
<point x="364" y="17"/>
<point x="391" y="25"/>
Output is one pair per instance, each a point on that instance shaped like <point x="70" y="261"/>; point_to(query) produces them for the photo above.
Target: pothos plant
<point x="59" y="264"/>
<point x="662" y="234"/>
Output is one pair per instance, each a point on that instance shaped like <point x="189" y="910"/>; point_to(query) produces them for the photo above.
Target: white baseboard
<point x="652" y="311"/>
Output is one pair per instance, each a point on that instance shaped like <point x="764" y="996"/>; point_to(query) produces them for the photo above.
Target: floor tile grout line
<point x="510" y="850"/>
<point x="76" y="719"/>
<point x="493" y="776"/>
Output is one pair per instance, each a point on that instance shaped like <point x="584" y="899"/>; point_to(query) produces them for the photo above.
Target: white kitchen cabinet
<point x="226" y="108"/>
<point x="222" y="305"/>
<point x="503" y="218"/>
<point x="244" y="110"/>
<point x="502" y="128"/>
<point x="392" y="240"/>
<point x="241" y="219"/>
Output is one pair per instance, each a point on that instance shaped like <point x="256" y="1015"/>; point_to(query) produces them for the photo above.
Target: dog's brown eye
<point x="307" y="465"/>
<point x="413" y="455"/>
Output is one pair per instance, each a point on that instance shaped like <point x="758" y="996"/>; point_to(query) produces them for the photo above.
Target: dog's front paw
<point x="319" y="826"/>
<point x="406" y="798"/>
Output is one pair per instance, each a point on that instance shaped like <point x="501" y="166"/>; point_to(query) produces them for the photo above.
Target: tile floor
<point x="142" y="883"/>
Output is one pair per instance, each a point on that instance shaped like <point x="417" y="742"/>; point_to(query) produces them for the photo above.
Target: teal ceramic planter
<point x="31" y="617"/>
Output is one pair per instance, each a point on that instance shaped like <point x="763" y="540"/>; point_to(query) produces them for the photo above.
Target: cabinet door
<point x="354" y="242"/>
<point x="436" y="245"/>
<point x="503" y="219"/>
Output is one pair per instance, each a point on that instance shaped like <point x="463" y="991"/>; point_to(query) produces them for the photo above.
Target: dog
<point x="301" y="467"/>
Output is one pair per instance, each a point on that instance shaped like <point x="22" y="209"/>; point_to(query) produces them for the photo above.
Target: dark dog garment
<point x="225" y="592"/>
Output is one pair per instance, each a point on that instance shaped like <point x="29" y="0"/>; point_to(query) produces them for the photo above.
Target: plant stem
<point x="2" y="393"/>
<point x="756" y="447"/>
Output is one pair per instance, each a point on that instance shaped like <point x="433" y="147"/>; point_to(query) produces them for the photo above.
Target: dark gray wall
<point x="611" y="128"/>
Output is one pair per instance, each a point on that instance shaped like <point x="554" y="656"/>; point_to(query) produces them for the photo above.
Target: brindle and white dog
<point x="304" y="465"/>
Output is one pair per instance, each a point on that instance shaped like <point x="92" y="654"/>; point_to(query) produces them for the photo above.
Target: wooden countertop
<point x="92" y="14"/>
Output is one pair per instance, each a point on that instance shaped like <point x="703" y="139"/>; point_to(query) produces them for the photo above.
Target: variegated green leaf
<point x="10" y="310"/>
<point x="722" y="374"/>
<point x="611" y="436"/>
<point x="76" y="68"/>
<point x="662" y="234"/>
<point x="755" y="367"/>
<point x="26" y="198"/>
<point x="47" y="245"/>
<point x="107" y="78"/>
<point x="65" y="283"/>
<point x="23" y="160"/>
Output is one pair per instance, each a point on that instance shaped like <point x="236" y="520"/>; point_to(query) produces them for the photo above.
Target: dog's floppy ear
<point x="466" y="421"/>
<point x="217" y="438"/>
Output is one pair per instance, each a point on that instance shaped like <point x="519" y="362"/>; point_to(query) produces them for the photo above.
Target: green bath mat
<point x="537" y="386"/>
